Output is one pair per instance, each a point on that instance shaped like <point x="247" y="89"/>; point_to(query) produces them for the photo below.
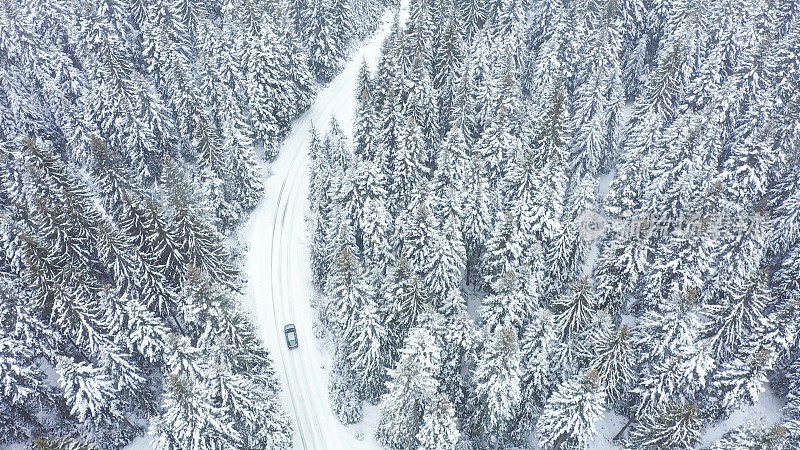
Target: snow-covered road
<point x="278" y="270"/>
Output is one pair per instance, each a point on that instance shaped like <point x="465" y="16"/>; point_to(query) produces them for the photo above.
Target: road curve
<point x="277" y="265"/>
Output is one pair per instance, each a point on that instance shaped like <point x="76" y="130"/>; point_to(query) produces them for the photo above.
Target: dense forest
<point x="129" y="133"/>
<point x="551" y="211"/>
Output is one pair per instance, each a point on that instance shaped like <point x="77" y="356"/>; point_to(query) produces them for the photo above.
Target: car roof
<point x="288" y="327"/>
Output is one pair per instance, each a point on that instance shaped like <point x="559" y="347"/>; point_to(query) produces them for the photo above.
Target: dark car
<point x="291" y="335"/>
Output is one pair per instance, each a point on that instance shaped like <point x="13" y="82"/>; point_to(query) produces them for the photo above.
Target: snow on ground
<point x="141" y="443"/>
<point x="766" y="411"/>
<point x="607" y="428"/>
<point x="603" y="186"/>
<point x="277" y="265"/>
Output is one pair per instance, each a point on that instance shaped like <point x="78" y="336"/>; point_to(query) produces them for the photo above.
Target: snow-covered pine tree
<point x="599" y="92"/>
<point x="412" y="385"/>
<point x="742" y="316"/>
<point x="271" y="100"/>
<point x="329" y="32"/>
<point x="406" y="298"/>
<point x="444" y="270"/>
<point x="499" y="143"/>
<point x="190" y="419"/>
<point x="790" y="410"/>
<point x="477" y="220"/>
<point x="90" y="393"/>
<point x="611" y="353"/>
<point x="26" y="392"/>
<point x="753" y="436"/>
<point x="439" y="430"/>
<point x="365" y="14"/>
<point x="365" y="126"/>
<point x="507" y="305"/>
<point x="420" y="104"/>
<point x="472" y="14"/>
<point x="447" y="68"/>
<point x="368" y="357"/>
<point x="452" y="163"/>
<point x="670" y="426"/>
<point x="462" y="115"/>
<point x="297" y="12"/>
<point x="460" y="339"/>
<point x="348" y="292"/>
<point x="676" y="365"/>
<point x="503" y="250"/>
<point x="575" y="309"/>
<point x="498" y="392"/>
<point x="742" y="378"/>
<point x="537" y="344"/>
<point x="200" y="242"/>
<point x="409" y="168"/>
<point x="377" y="228"/>
<point x="581" y="224"/>
<point x="570" y="414"/>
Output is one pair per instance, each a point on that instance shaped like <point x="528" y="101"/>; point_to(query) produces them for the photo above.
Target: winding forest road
<point x="279" y="274"/>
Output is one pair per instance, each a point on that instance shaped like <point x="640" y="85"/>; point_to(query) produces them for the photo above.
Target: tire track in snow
<point x="285" y="263"/>
<point x="279" y="336"/>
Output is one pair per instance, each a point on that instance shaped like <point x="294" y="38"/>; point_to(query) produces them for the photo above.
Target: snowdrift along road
<point x="278" y="270"/>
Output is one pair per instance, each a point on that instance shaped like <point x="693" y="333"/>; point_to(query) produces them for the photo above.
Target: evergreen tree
<point x="406" y="298"/>
<point x="439" y="429"/>
<point x="498" y="144"/>
<point x="201" y="244"/>
<point x="537" y="345"/>
<point x="191" y="419"/>
<point x="274" y="101"/>
<point x="89" y="392"/>
<point x="793" y="399"/>
<point x="744" y="377"/>
<point x="365" y="127"/>
<point x="751" y="436"/>
<point x="412" y="385"/>
<point x="445" y="269"/>
<point x="599" y="96"/>
<point x="473" y="15"/>
<point x="581" y="225"/>
<point x="507" y="304"/>
<point x="477" y="219"/>
<point x="575" y="309"/>
<point x="409" y="166"/>
<point x="733" y="324"/>
<point x="348" y="293"/>
<point x="447" y="70"/>
<point x="329" y="29"/>
<point x="570" y="414"/>
<point x="368" y="357"/>
<point x="497" y="385"/>
<point x="672" y="426"/>
<point x="503" y="249"/>
<point x="452" y="163"/>
<point x="611" y="353"/>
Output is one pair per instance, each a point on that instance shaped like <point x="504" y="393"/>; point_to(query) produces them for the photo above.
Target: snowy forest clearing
<point x="279" y="288"/>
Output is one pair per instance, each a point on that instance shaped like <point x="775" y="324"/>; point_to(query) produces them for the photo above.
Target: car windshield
<point x="290" y="335"/>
